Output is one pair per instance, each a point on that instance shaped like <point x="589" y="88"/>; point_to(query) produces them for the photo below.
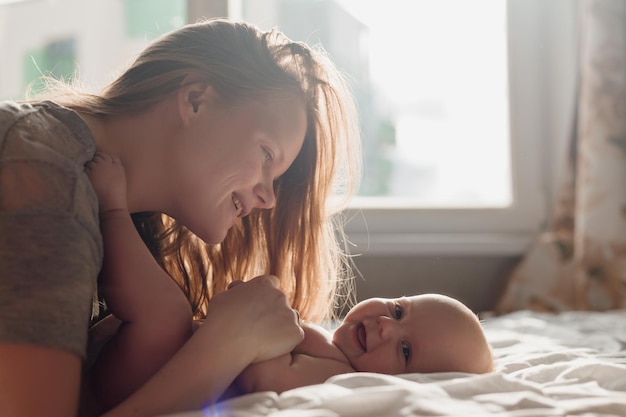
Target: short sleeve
<point x="50" y="245"/>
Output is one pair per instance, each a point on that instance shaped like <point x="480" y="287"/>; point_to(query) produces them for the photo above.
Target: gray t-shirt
<point x="50" y="241"/>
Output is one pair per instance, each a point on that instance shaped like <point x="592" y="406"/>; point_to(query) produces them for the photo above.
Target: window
<point x="440" y="102"/>
<point x="455" y="104"/>
<point x="430" y="78"/>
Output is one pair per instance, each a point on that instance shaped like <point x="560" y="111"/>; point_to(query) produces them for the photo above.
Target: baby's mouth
<point x="238" y="205"/>
<point x="361" y="336"/>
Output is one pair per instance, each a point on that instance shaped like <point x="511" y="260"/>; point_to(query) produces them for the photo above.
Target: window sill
<point x="440" y="244"/>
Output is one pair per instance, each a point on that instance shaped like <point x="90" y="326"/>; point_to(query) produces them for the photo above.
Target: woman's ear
<point x="191" y="98"/>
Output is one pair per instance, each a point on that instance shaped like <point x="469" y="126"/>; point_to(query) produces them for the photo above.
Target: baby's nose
<point x="386" y="327"/>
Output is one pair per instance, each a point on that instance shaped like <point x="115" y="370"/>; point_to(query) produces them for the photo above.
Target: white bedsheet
<point x="572" y="364"/>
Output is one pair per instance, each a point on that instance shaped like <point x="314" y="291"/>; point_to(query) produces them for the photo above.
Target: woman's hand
<point x="259" y="316"/>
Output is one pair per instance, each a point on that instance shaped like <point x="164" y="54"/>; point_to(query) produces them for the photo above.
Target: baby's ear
<point x="192" y="98"/>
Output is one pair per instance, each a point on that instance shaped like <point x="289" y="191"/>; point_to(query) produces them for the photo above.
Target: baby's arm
<point x="312" y="362"/>
<point x="131" y="280"/>
<point x="155" y="315"/>
<point x="318" y="343"/>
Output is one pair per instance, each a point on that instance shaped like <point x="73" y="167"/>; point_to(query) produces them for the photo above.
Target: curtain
<point x="579" y="262"/>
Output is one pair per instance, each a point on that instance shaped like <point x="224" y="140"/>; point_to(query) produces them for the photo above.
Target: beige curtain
<point x="580" y="262"/>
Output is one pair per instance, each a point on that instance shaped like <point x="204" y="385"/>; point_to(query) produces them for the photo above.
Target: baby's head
<point x="422" y="333"/>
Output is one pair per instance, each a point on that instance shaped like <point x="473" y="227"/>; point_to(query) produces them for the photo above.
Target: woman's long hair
<point x="301" y="239"/>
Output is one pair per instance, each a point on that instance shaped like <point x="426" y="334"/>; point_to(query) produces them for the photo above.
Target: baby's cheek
<point x="381" y="362"/>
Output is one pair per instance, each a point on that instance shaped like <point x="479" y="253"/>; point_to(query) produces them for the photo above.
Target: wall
<point x="476" y="281"/>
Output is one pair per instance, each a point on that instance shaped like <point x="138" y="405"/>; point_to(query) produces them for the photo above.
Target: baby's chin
<point x="343" y="339"/>
<point x="337" y="336"/>
<point x="363" y="365"/>
<point x="339" y="332"/>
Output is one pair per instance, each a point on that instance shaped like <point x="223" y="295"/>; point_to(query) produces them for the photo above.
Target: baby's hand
<point x="108" y="179"/>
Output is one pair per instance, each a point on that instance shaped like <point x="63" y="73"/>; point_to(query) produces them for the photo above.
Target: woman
<point x="180" y="119"/>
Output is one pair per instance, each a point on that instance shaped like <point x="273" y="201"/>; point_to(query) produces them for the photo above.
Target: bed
<point x="569" y="364"/>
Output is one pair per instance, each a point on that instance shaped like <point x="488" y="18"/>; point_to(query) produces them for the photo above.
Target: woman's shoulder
<point x="56" y="128"/>
<point x="47" y="157"/>
<point x="10" y="111"/>
<point x="15" y="110"/>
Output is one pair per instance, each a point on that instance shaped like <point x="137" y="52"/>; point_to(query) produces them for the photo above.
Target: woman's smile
<point x="238" y="205"/>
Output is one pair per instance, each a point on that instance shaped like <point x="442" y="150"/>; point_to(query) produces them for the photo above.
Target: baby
<point x="423" y="333"/>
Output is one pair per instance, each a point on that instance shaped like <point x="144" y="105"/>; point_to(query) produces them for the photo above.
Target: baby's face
<point x="423" y="333"/>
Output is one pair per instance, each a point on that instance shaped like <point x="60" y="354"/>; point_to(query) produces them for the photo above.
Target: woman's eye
<point x="406" y="350"/>
<point x="268" y="154"/>
<point x="397" y="311"/>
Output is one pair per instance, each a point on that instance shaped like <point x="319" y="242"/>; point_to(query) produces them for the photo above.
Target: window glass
<point x="56" y="58"/>
<point x="154" y="17"/>
<point x="430" y="78"/>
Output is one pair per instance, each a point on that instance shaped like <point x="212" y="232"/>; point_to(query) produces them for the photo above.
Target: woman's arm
<point x="37" y="381"/>
<point x="289" y="371"/>
<point x="313" y="361"/>
<point x="249" y="323"/>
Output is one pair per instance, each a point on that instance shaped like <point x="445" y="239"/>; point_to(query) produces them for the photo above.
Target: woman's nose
<point x="264" y="192"/>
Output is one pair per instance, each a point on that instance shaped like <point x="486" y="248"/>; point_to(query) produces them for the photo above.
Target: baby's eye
<point x="268" y="154"/>
<point x="397" y="311"/>
<point x="406" y="350"/>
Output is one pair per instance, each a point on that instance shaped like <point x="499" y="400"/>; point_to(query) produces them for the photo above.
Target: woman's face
<point x="229" y="159"/>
